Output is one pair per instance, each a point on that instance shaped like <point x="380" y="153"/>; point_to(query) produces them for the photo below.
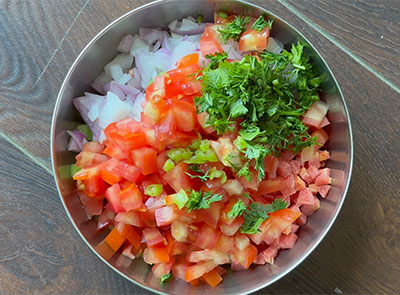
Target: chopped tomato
<point x="145" y="159"/>
<point x="212" y="278"/>
<point x="152" y="237"/>
<point x="165" y="215"/>
<point x="209" y="43"/>
<point x="113" y="197"/>
<point x="131" y="198"/>
<point x="207" y="238"/>
<point x="185" y="115"/>
<point x="252" y="40"/>
<point x="188" y="60"/>
<point x="177" y="178"/>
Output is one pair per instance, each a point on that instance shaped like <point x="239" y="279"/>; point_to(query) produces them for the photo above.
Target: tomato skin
<point x="112" y="196"/>
<point x="209" y="43"/>
<point x="86" y="158"/>
<point x="153" y="237"/>
<point x="246" y="256"/>
<point x="185" y="115"/>
<point x="211" y="215"/>
<point x="131" y="197"/>
<point x="252" y="40"/>
<point x="188" y="60"/>
<point x="177" y="178"/>
<point x="196" y="271"/>
<point x="165" y="215"/>
<point x="145" y="160"/>
<point x="207" y="238"/>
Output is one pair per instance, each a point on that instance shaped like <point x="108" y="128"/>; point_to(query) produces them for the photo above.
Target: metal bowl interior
<point x="89" y="65"/>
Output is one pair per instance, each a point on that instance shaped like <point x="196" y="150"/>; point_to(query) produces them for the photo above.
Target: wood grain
<point x="369" y="28"/>
<point x="39" y="249"/>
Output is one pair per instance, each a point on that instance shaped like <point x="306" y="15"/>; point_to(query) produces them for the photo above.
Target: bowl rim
<point x="57" y="107"/>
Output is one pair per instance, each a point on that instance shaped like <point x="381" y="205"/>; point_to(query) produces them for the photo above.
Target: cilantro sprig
<point x="234" y="29"/>
<point x="201" y="200"/>
<point x="257" y="213"/>
<point x="269" y="94"/>
<point x="260" y="24"/>
<point x="165" y="278"/>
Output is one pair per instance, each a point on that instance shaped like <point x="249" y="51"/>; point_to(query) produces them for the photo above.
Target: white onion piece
<point x="136" y="107"/>
<point x="156" y="46"/>
<point x="232" y="48"/>
<point x="113" y="110"/>
<point x="188" y="25"/>
<point x="150" y="36"/>
<point x="194" y="38"/>
<point x="148" y="63"/>
<point x="99" y="83"/>
<point x="138" y="46"/>
<point x="113" y="70"/>
<point x="124" y="79"/>
<point x="172" y="25"/>
<point x="126" y="44"/>
<point x="124" y="60"/>
<point x="274" y="45"/>
<point x="77" y="140"/>
<point x="135" y="79"/>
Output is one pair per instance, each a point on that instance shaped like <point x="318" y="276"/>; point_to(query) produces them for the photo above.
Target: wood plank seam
<point x="61" y="42"/>
<point x="33" y="158"/>
<point x="342" y="47"/>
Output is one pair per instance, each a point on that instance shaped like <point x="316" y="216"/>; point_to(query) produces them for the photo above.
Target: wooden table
<point x="40" y="252"/>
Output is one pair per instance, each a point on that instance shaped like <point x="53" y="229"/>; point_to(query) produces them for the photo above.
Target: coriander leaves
<point x="257" y="213"/>
<point x="234" y="29"/>
<point x="268" y="93"/>
<point x="201" y="200"/>
<point x="260" y="24"/>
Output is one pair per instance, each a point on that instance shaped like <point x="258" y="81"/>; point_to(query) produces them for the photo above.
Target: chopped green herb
<point x="165" y="278"/>
<point x="264" y="94"/>
<point x="216" y="58"/>
<point x="200" y="18"/>
<point x="237" y="209"/>
<point x="260" y="24"/>
<point x="257" y="213"/>
<point x="201" y="200"/>
<point x="153" y="190"/>
<point x="234" y="29"/>
<point x="203" y="178"/>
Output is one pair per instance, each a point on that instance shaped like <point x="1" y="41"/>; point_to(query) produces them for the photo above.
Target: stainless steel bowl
<point x="89" y="65"/>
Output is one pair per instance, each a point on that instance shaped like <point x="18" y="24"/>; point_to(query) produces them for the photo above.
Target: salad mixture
<point x="204" y="149"/>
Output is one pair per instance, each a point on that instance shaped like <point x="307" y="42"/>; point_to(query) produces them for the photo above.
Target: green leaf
<point x="260" y="24"/>
<point x="201" y="200"/>
<point x="234" y="29"/>
<point x="237" y="209"/>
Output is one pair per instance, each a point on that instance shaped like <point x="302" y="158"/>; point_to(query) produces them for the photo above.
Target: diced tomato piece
<point x="156" y="254"/>
<point x="271" y="164"/>
<point x="196" y="271"/>
<point x="165" y="215"/>
<point x="284" y="169"/>
<point x="313" y="172"/>
<point x="148" y="217"/>
<point x="185" y="115"/>
<point x="180" y="230"/>
<point x="179" y="248"/>
<point x="153" y="237"/>
<point x="323" y="156"/>
<point x="267" y="256"/>
<point x="145" y="159"/>
<point x="212" y="214"/>
<point x="325" y="122"/>
<point x="323" y="179"/>
<point x="202" y="119"/>
<point x="252" y="40"/>
<point x="131" y="197"/>
<point x="225" y="244"/>
<point x="207" y="238"/>
<point x="308" y="153"/>
<point x="188" y="60"/>
<point x="206" y="255"/>
<point x="93" y="146"/>
<point x="212" y="278"/>
<point x="166" y="127"/>
<point x="311" y="208"/>
<point x="321" y="135"/>
<point x="287" y="241"/>
<point x="177" y="178"/>
<point x="179" y="270"/>
<point x="246" y="256"/>
<point x="315" y="115"/>
<point x="131" y="217"/>
<point x="92" y="206"/>
<point x="161" y="269"/>
<point x="230" y="230"/>
<point x="271" y="186"/>
<point x="155" y="202"/>
<point x="113" y="197"/>
<point x="305" y="176"/>
<point x="295" y="166"/>
<point x="209" y="43"/>
<point x="86" y="158"/>
<point x="115" y="239"/>
<point x="233" y="187"/>
<point x="324" y="190"/>
<point x="113" y="151"/>
<point x="241" y="241"/>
